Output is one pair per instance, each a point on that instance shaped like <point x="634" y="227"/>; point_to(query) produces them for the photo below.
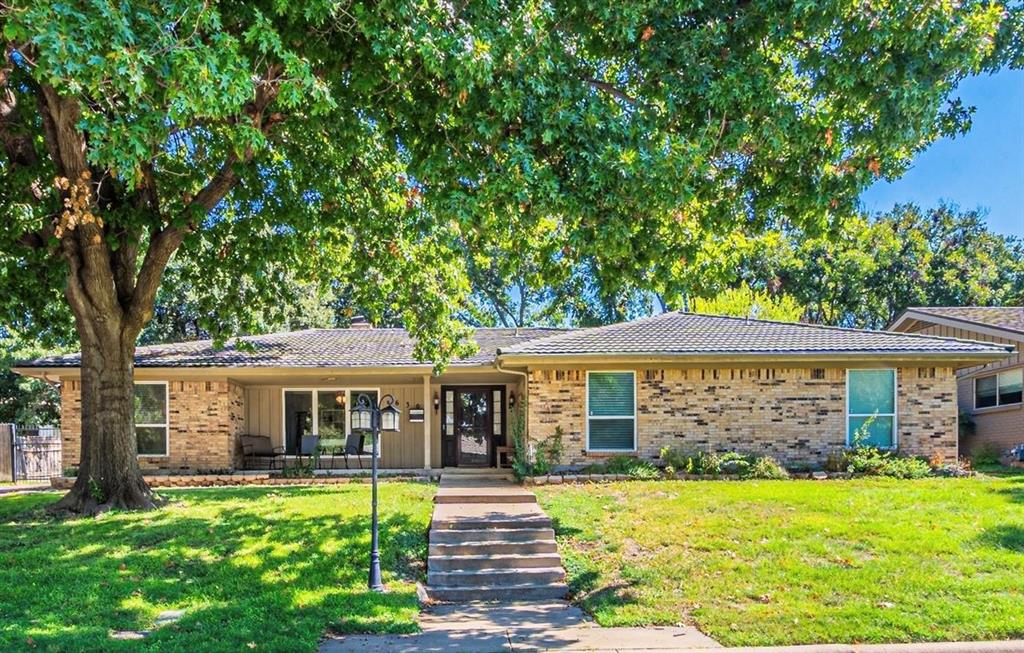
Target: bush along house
<point x="691" y="382"/>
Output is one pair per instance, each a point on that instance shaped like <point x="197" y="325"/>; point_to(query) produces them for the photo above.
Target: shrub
<point x="734" y="463"/>
<point x="546" y="454"/>
<point x="864" y="459"/>
<point x="768" y="468"/>
<point x="986" y="454"/>
<point x="674" y="458"/>
<point x="837" y="461"/>
<point x="966" y="425"/>
<point x="704" y="462"/>
<point x="631" y="466"/>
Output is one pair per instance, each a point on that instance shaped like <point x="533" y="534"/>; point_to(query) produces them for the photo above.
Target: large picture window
<point x="611" y="411"/>
<point x="150" y="398"/>
<point x="319" y="411"/>
<point x="1003" y="389"/>
<point x="871" y="401"/>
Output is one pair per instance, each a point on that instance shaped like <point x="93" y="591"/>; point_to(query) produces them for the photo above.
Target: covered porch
<point x="457" y="419"/>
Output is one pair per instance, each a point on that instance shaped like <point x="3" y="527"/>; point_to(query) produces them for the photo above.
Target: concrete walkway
<point x="507" y="627"/>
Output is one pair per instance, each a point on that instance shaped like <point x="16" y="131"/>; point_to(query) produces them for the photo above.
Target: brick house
<point x="694" y="382"/>
<point x="990" y="395"/>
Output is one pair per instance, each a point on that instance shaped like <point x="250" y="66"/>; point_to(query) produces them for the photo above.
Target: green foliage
<point x="631" y="466"/>
<point x="986" y="454"/>
<point x="864" y="271"/>
<point x="965" y="425"/>
<point x="24" y="400"/>
<point x="712" y="464"/>
<point x="766" y="467"/>
<point x="864" y="459"/>
<point x="545" y="454"/>
<point x="744" y="301"/>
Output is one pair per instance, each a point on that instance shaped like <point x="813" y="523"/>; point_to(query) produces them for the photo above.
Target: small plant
<point x="631" y="466"/>
<point x="734" y="462"/>
<point x="767" y="467"/>
<point x="70" y="472"/>
<point x="539" y="459"/>
<point x="96" y="492"/>
<point x="865" y="459"/>
<point x="837" y="461"/>
<point x="299" y="470"/>
<point x="704" y="462"/>
<point x="674" y="458"/>
<point x="986" y="454"/>
<point x="966" y="425"/>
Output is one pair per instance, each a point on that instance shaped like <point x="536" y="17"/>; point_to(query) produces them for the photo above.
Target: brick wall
<point x="796" y="415"/>
<point x="205" y="419"/>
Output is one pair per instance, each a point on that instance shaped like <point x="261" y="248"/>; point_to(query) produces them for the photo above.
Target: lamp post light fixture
<point x="373" y="416"/>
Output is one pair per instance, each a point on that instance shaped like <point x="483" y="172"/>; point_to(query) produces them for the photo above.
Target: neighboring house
<point x="694" y="382"/>
<point x="989" y="394"/>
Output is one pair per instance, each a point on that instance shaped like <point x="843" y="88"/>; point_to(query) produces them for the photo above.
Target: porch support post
<point x="428" y="417"/>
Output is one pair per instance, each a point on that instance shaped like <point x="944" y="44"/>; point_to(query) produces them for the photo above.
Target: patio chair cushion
<point x="309" y="444"/>
<point x="354" y="444"/>
<point x="258" y="445"/>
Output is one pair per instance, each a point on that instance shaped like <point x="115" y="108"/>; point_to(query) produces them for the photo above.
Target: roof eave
<point x="956" y="323"/>
<point x="802" y="357"/>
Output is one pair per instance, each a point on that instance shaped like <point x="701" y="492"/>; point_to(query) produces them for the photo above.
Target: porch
<point x="457" y="419"/>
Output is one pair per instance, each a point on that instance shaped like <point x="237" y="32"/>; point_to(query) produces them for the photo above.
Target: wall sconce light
<point x="437" y="401"/>
<point x="511" y="399"/>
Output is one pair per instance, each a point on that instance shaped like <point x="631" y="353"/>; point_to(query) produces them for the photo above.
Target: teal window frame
<point x="895" y="405"/>
<point x="590" y="417"/>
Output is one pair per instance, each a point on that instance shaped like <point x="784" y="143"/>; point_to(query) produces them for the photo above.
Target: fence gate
<point x="34" y="452"/>
<point x="7" y="452"/>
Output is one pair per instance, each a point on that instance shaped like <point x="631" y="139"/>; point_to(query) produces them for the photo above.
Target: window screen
<point x="611" y="411"/>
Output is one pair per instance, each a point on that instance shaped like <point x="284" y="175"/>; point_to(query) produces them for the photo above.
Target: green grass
<point x="255" y="569"/>
<point x="797" y="562"/>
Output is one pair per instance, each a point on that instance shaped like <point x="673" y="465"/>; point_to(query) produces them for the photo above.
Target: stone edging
<point x="229" y="480"/>
<point x="560" y="479"/>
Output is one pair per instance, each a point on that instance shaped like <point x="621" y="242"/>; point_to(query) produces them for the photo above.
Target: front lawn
<point x="255" y="569"/>
<point x="796" y="562"/>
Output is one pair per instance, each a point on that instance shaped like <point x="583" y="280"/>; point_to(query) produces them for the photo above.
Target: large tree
<point x="366" y="142"/>
<point x="868" y="269"/>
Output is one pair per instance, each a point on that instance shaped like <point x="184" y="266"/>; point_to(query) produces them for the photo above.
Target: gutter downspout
<point x="526" y="388"/>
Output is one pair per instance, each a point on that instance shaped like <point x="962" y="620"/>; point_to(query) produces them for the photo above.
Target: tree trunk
<point x="108" y="474"/>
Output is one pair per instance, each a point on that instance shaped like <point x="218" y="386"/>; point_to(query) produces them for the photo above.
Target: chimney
<point x="360" y="322"/>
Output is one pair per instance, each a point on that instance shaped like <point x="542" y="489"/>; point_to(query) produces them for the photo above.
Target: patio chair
<point x="308" y="447"/>
<point x="354" y="447"/>
<point x="256" y="448"/>
<point x="331" y="448"/>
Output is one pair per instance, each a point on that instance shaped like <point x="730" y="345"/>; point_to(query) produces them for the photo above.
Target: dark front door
<point x="469" y="425"/>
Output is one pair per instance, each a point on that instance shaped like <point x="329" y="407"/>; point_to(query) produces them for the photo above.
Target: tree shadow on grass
<point x="1005" y="536"/>
<point x="253" y="570"/>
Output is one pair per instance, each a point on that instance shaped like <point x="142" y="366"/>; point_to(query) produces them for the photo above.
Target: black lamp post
<point x="373" y="416"/>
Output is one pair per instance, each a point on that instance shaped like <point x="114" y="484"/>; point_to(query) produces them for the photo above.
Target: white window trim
<point x="895" y="404"/>
<point x="974" y="391"/>
<point x="587" y="416"/>
<point x="166" y="425"/>
<point x="315" y="391"/>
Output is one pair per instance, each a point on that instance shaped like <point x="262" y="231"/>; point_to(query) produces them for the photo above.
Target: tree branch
<point x="611" y="89"/>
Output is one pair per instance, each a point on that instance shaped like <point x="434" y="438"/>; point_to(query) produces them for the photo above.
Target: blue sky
<point x="984" y="169"/>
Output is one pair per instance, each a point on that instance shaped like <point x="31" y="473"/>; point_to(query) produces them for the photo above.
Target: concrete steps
<point x="490" y="541"/>
<point x="485" y="547"/>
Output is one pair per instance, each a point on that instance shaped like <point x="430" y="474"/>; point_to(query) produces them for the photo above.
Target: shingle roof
<point x="1003" y="317"/>
<point x="309" y="348"/>
<point x="689" y="333"/>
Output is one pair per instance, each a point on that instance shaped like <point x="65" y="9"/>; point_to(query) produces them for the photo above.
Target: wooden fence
<point x="29" y="453"/>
